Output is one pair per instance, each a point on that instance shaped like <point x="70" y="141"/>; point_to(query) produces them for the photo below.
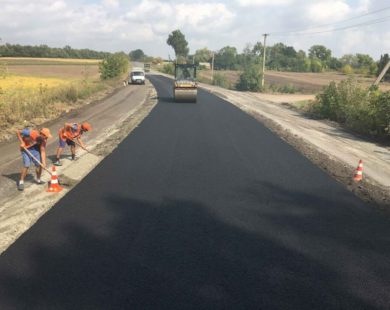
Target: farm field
<point x="52" y="67"/>
<point x="302" y="82"/>
<point x="47" y="61"/>
<point x="35" y="90"/>
<point x="12" y="82"/>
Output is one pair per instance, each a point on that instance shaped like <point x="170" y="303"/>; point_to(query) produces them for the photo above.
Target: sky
<point x="119" y="25"/>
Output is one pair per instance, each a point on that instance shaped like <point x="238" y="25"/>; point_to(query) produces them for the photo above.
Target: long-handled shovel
<point x="33" y="157"/>
<point x="79" y="144"/>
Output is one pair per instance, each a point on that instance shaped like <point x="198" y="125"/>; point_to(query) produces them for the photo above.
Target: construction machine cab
<point x="185" y="72"/>
<point x="185" y="86"/>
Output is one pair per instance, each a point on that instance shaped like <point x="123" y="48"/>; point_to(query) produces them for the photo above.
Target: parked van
<point x="137" y="76"/>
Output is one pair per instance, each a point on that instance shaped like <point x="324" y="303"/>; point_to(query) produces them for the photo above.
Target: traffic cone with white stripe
<point x="54" y="186"/>
<point x="359" y="172"/>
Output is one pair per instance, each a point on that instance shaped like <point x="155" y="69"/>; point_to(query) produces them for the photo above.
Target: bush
<point x="221" y="81"/>
<point x="168" y="68"/>
<point x="114" y="66"/>
<point x="286" y="89"/>
<point x="250" y="79"/>
<point x="347" y="70"/>
<point x="316" y="65"/>
<point x="366" y="111"/>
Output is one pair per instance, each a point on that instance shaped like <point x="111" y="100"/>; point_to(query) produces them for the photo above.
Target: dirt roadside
<point x="328" y="146"/>
<point x="112" y="119"/>
<point x="301" y="82"/>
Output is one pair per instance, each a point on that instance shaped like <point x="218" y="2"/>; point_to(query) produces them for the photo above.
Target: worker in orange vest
<point x="67" y="135"/>
<point x="33" y="148"/>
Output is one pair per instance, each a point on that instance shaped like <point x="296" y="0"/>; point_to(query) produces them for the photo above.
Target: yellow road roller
<point x="185" y="86"/>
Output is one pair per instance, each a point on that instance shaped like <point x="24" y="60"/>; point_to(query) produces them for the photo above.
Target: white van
<point x="136" y="76"/>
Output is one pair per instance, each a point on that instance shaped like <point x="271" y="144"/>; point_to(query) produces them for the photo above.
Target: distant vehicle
<point x="147" y="67"/>
<point x="137" y="76"/>
<point x="185" y="86"/>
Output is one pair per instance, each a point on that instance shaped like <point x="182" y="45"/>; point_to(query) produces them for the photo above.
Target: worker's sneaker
<point x="39" y="182"/>
<point x="21" y="186"/>
<point x="57" y="163"/>
<point x="73" y="157"/>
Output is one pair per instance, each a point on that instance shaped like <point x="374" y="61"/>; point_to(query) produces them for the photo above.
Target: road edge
<point x="17" y="217"/>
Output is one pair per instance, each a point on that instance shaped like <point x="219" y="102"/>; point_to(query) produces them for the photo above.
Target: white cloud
<point x="114" y="25"/>
<point x="327" y="11"/>
<point x="149" y="9"/>
<point x="363" y="6"/>
<point x="55" y="6"/>
<point x="199" y="17"/>
<point x="203" y="17"/>
<point x="111" y="3"/>
<point x="246" y="3"/>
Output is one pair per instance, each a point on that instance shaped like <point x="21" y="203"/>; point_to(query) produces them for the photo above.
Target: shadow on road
<point x="135" y="254"/>
<point x="16" y="176"/>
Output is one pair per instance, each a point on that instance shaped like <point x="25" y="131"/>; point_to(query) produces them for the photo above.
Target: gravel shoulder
<point x="112" y="119"/>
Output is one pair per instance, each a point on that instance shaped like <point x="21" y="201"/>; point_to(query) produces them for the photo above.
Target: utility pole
<point x="212" y="69"/>
<point x="380" y="77"/>
<point x="264" y="50"/>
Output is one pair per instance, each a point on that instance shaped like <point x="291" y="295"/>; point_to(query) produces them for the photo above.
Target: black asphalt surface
<point x="202" y="207"/>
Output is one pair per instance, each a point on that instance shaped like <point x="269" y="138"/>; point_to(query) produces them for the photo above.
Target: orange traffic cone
<point x="54" y="186"/>
<point x="359" y="172"/>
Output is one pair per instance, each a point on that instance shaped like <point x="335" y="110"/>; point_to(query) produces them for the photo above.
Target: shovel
<point x="33" y="157"/>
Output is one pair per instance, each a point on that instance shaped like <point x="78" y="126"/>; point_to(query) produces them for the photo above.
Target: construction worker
<point x="68" y="135"/>
<point x="33" y="148"/>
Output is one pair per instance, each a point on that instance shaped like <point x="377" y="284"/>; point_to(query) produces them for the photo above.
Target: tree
<point x="226" y="58"/>
<point x="10" y="50"/>
<point x="137" y="55"/>
<point x="250" y="79"/>
<point x="203" y="55"/>
<point x="316" y="65"/>
<point x="248" y="57"/>
<point x="360" y="63"/>
<point x="335" y="63"/>
<point x="114" y="66"/>
<point x="282" y="57"/>
<point x="302" y="63"/>
<point x="178" y="42"/>
<point x="349" y="59"/>
<point x="321" y="53"/>
<point x="258" y="49"/>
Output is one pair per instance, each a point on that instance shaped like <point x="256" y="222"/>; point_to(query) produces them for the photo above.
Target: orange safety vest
<point x="67" y="132"/>
<point x="31" y="140"/>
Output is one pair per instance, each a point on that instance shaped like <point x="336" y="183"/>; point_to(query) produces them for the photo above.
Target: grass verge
<point x="32" y="106"/>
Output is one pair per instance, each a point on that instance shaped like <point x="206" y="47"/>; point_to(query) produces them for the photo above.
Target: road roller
<point x="185" y="86"/>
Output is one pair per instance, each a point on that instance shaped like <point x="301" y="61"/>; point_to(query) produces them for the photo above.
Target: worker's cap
<point x="74" y="126"/>
<point x="34" y="134"/>
<point x="25" y="132"/>
<point x="86" y="126"/>
<point x="46" y="132"/>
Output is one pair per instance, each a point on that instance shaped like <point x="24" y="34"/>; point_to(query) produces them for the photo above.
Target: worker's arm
<point x="43" y="154"/>
<point x="22" y="144"/>
<point x="81" y="142"/>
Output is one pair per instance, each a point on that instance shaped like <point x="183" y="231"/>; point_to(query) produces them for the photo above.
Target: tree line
<point x="279" y="57"/>
<point x="44" y="51"/>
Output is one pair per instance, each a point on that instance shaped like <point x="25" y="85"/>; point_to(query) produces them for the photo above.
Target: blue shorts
<point x="63" y="143"/>
<point x="27" y="159"/>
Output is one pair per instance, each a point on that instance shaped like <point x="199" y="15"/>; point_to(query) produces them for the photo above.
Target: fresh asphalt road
<point x="202" y="207"/>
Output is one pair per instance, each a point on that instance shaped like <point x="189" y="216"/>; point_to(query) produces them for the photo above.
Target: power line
<point x="330" y="24"/>
<point x="367" y="23"/>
